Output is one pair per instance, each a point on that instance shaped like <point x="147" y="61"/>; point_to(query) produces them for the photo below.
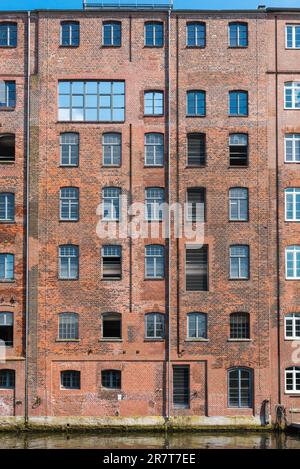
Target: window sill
<point x="195" y="166"/>
<point x="110" y="340"/>
<point x="111" y="46"/>
<point x="68" y="279"/>
<point x="196" y="340"/>
<point x="7" y="162"/>
<point x="67" y="340"/>
<point x="149" y="339"/>
<point x="7" y="222"/>
<point x="7" y="108"/>
<point x="195" y="116"/>
<point x="8" y="47"/>
<point x="153" y="47"/>
<point x="107" y="166"/>
<point x="68" y="221"/>
<point x="239" y="116"/>
<point x="90" y="122"/>
<point x="292" y="393"/>
<point x="146" y="279"/>
<point x="239" y="340"/>
<point x="153" y="115"/>
<point x="195" y="47"/>
<point x="153" y="166"/>
<point x="111" y="279"/>
<point x="68" y="166"/>
<point x="246" y="166"/>
<point x="238" y="279"/>
<point x="7" y="281"/>
<point x="238" y="221"/>
<point x="292" y="279"/>
<point x="292" y="339"/>
<point x="69" y="46"/>
<point x="237" y="47"/>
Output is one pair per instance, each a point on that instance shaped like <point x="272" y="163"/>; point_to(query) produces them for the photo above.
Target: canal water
<point x="149" y="440"/>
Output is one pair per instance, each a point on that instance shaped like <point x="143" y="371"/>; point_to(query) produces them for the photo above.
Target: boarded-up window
<point x="197" y="268"/>
<point x="196" y="204"/>
<point x="111" y="262"/>
<point x="181" y="386"/>
<point x="196" y="149"/>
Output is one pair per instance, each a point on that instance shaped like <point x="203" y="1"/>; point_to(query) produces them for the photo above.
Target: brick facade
<point x="147" y="365"/>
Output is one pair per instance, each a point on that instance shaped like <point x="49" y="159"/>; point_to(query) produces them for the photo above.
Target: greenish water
<point x="148" y="440"/>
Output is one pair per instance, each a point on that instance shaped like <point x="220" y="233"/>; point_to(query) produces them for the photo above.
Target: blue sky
<point x="211" y="4"/>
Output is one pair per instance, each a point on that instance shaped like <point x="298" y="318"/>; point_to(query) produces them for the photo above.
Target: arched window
<point x="68" y="326"/>
<point x="292" y="262"/>
<point x="154" y="149"/>
<point x="238" y="204"/>
<point x="238" y="34"/>
<point x="7" y="379"/>
<point x="8" y="34"/>
<point x="112" y="33"/>
<point x="154" y="261"/>
<point x="111" y="326"/>
<point x="111" y="203"/>
<point x="155" y="326"/>
<point x="111" y="149"/>
<point x="69" y="149"/>
<point x="292" y="95"/>
<point x="240" y="384"/>
<point x="7" y="148"/>
<point x="239" y="326"/>
<point x="70" y="379"/>
<point x="68" y="261"/>
<point x="292" y="379"/>
<point x="7" y="206"/>
<point x="69" y="33"/>
<point x="154" y="34"/>
<point x="197" y="326"/>
<point x="7" y="329"/>
<point x="195" y="34"/>
<point x="111" y="379"/>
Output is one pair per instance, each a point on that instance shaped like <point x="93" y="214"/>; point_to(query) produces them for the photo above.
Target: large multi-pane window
<point x="196" y="149"/>
<point x="8" y="34"/>
<point x="68" y="262"/>
<point x="238" y="103"/>
<point x="154" y="326"/>
<point x="292" y="326"/>
<point x="112" y="33"/>
<point x="7" y="206"/>
<point x="292" y="33"/>
<point x="69" y="203"/>
<point x="70" y="379"/>
<point x="111" y="203"/>
<point x="239" y="326"/>
<point x="112" y="148"/>
<point x="239" y="262"/>
<point x="111" y="262"/>
<point x="7" y="94"/>
<point x="196" y="268"/>
<point x="292" y="262"/>
<point x="195" y="204"/>
<point x="154" y="199"/>
<point x="111" y="379"/>
<point x="7" y="329"/>
<point x="238" y="204"/>
<point x="154" y="149"/>
<point x="292" y="204"/>
<point x="195" y="34"/>
<point x="292" y="148"/>
<point x="69" y="33"/>
<point x="69" y="149"/>
<point x="7" y="379"/>
<point x="153" y="103"/>
<point x="196" y="105"/>
<point x="292" y="379"/>
<point x="292" y="95"/>
<point x="7" y="267"/>
<point x="240" y="387"/>
<point x="154" y="34"/>
<point x="99" y="101"/>
<point x="197" y="326"/>
<point x="238" y="34"/>
<point x="154" y="261"/>
<point x="238" y="149"/>
<point x="111" y="326"/>
<point x="68" y="326"/>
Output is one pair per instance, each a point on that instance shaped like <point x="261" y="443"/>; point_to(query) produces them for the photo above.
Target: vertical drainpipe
<point x="277" y="218"/>
<point x="27" y="217"/>
<point x="169" y="218"/>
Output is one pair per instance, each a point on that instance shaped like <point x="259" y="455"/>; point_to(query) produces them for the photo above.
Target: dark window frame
<point x="70" y="24"/>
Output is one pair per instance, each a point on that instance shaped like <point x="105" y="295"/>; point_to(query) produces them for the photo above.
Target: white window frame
<point x="111" y="145"/>
<point x="155" y="147"/>
<point x="111" y="215"/>
<point x="70" y="202"/>
<point x="294" y="192"/>
<point x="294" y="249"/>
<point x="155" y="316"/>
<point x="293" y="26"/>
<point x="294" y="370"/>
<point x="198" y="319"/>
<point x="156" y="203"/>
<point x="294" y="317"/>
<point x="295" y="137"/>
<point x="294" y="86"/>
<point x="155" y="257"/>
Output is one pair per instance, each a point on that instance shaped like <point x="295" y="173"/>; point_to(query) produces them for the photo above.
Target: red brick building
<point x="115" y="106"/>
